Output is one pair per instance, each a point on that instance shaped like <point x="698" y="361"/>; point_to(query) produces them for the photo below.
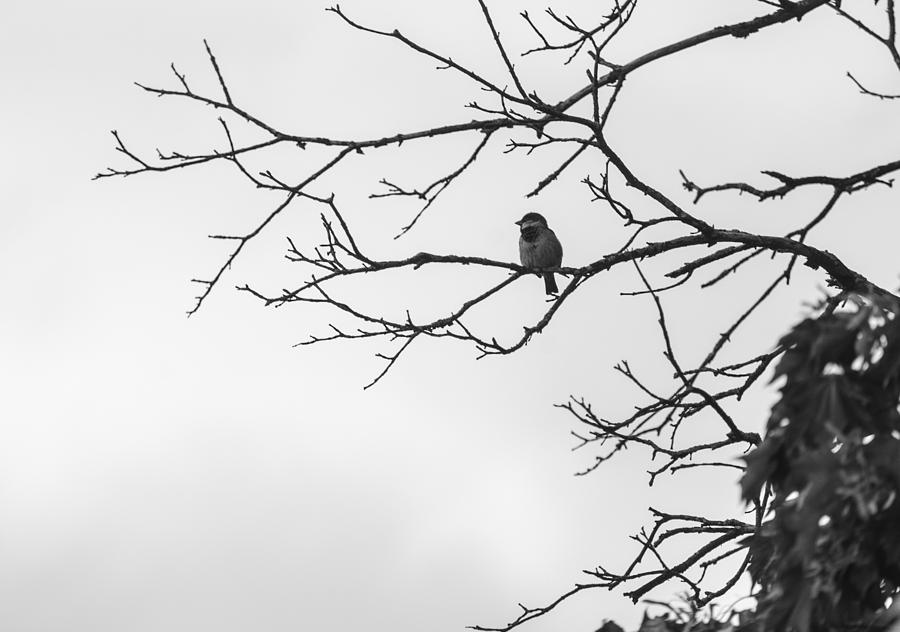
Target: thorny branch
<point x="705" y="390"/>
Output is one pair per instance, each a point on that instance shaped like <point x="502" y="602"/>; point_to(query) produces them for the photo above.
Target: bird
<point x="539" y="247"/>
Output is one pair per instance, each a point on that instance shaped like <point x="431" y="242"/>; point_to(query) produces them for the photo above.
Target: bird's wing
<point x="556" y="249"/>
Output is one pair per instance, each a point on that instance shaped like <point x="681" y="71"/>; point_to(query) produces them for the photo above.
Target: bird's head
<point x="532" y="219"/>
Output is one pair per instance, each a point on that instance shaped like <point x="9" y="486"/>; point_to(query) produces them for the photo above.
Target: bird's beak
<point x="519" y="223"/>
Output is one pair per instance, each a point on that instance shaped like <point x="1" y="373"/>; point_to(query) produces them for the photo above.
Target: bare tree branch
<point x="655" y="226"/>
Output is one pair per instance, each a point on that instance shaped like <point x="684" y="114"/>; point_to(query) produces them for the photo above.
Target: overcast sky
<point x="159" y="473"/>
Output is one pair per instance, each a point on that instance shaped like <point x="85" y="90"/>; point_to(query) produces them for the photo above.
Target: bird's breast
<point x="528" y="251"/>
<point x="531" y="233"/>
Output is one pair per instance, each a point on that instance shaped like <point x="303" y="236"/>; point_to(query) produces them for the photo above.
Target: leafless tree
<point x="512" y="117"/>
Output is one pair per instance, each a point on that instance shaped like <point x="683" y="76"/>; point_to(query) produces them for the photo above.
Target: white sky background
<point x="159" y="473"/>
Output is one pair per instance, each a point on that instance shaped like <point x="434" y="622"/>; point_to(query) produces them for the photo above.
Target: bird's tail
<point x="550" y="283"/>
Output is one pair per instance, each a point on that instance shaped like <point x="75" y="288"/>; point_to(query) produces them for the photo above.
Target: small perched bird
<point x="539" y="247"/>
